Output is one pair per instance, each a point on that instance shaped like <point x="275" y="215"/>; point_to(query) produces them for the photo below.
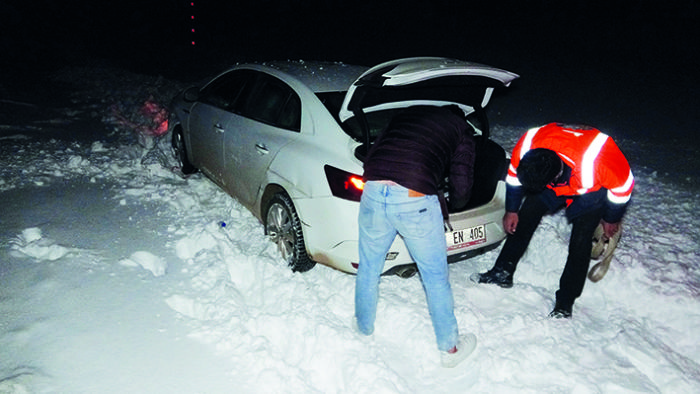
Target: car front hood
<point x="423" y="81"/>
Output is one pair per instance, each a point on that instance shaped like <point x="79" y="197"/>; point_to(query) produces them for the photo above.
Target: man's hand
<point x="610" y="229"/>
<point x="510" y="222"/>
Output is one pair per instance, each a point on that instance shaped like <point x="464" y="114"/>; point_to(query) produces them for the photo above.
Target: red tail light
<point x="343" y="184"/>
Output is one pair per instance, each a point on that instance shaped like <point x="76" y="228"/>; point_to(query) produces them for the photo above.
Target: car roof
<point x="318" y="76"/>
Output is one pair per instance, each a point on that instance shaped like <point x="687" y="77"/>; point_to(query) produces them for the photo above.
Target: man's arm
<point x="614" y="174"/>
<point x="514" y="196"/>
<point x="462" y="173"/>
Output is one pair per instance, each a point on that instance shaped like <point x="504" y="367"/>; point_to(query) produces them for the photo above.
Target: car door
<point x="210" y="118"/>
<point x="269" y="118"/>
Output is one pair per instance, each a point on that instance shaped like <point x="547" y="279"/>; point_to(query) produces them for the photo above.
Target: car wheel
<point x="283" y="227"/>
<point x="181" y="152"/>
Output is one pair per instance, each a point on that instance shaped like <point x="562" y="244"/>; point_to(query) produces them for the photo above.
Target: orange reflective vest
<point x="593" y="156"/>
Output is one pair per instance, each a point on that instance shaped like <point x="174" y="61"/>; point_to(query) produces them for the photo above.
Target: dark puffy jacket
<point x="420" y="147"/>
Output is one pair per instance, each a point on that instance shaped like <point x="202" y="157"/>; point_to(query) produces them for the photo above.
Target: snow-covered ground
<point x="119" y="276"/>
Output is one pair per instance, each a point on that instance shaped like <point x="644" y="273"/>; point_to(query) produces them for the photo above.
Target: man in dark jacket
<point x="402" y="172"/>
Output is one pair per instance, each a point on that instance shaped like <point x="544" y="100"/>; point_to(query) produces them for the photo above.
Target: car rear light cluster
<point x="343" y="184"/>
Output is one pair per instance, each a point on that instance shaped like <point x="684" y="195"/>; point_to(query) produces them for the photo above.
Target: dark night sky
<point x="154" y="35"/>
<point x="635" y="60"/>
<point x="628" y="65"/>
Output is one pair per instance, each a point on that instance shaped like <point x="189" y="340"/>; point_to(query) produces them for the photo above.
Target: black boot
<point x="562" y="310"/>
<point x="498" y="275"/>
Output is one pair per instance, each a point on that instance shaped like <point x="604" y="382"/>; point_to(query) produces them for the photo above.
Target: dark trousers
<point x="584" y="224"/>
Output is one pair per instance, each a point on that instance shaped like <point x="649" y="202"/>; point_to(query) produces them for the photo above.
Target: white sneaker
<point x="465" y="346"/>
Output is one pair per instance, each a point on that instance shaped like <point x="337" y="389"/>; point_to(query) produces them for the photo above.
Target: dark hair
<point x="538" y="168"/>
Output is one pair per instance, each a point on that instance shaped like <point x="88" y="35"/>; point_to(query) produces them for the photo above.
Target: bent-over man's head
<point x="538" y="168"/>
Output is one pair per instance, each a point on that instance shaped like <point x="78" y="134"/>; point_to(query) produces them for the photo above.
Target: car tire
<point x="283" y="226"/>
<point x="178" y="143"/>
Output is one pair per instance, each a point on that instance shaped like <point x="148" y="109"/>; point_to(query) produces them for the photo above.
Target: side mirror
<point x="191" y="94"/>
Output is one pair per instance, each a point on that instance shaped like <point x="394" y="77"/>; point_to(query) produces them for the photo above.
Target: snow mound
<point x="31" y="243"/>
<point x="157" y="265"/>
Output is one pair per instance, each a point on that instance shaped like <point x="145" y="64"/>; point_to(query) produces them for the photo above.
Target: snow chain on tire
<point x="602" y="250"/>
<point x="297" y="258"/>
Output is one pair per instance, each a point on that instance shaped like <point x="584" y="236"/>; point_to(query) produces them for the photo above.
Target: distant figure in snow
<point x="402" y="172"/>
<point x="556" y="166"/>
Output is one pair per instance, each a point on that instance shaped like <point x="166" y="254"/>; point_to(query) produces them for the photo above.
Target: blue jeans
<point x="385" y="211"/>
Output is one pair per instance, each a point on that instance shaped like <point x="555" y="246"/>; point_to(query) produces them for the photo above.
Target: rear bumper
<point x="331" y="231"/>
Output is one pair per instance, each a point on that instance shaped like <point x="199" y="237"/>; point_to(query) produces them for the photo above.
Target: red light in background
<point x="192" y="31"/>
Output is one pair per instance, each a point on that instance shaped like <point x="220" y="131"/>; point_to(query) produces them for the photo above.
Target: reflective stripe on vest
<point x="622" y="189"/>
<point x="588" y="162"/>
<point x="527" y="141"/>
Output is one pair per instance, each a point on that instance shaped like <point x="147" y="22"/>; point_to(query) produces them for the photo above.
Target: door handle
<point x="261" y="148"/>
<point x="218" y="128"/>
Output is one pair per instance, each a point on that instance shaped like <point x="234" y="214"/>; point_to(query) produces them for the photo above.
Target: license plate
<point x="465" y="238"/>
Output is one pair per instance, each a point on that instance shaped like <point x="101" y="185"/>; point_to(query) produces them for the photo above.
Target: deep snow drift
<point x="117" y="275"/>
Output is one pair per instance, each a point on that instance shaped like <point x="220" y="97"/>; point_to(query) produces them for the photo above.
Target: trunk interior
<point x="490" y="167"/>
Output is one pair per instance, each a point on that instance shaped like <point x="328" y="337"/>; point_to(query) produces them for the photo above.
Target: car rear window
<point x="377" y="121"/>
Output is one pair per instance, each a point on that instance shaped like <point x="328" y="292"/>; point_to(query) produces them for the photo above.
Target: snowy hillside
<point x="117" y="275"/>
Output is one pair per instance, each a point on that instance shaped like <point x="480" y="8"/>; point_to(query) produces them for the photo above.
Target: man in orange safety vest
<point x="557" y="166"/>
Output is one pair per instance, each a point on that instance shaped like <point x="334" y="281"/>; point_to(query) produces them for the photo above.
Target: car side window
<point x="290" y="118"/>
<point x="273" y="102"/>
<point x="225" y="90"/>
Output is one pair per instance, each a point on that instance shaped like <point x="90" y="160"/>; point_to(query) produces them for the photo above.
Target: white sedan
<point x="287" y="139"/>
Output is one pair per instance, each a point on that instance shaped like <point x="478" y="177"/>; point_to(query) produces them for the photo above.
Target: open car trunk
<point x="386" y="89"/>
<point x="490" y="166"/>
